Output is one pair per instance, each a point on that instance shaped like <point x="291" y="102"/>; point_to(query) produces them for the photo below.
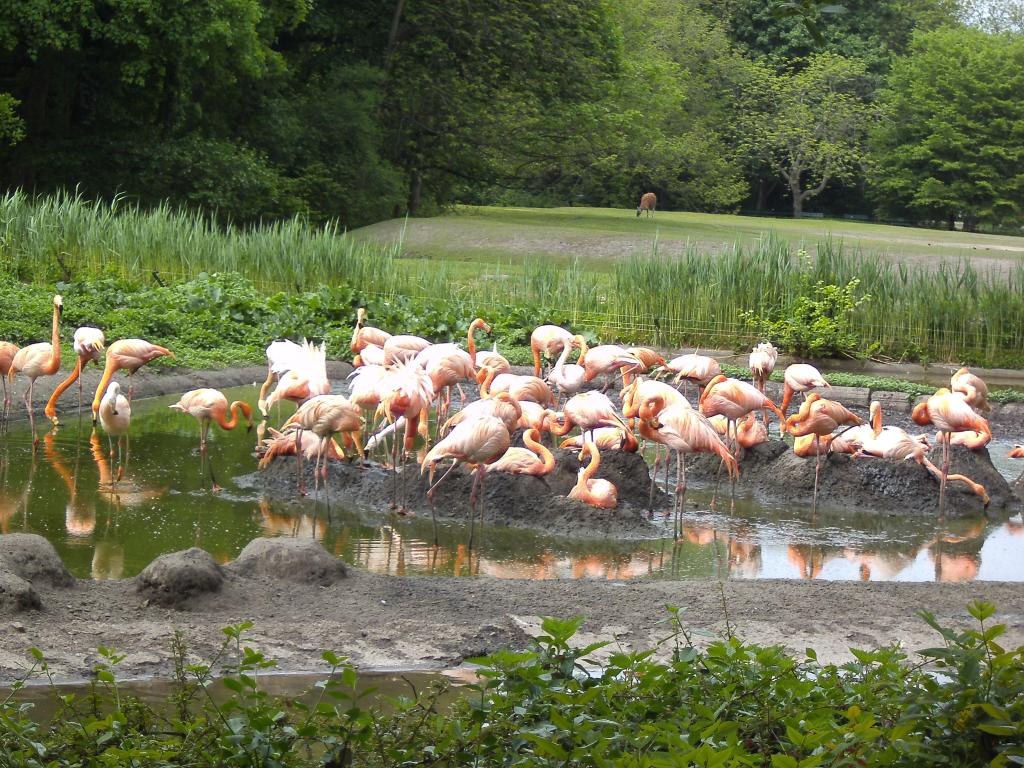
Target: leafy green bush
<point x="732" y="704"/>
<point x="818" y="321"/>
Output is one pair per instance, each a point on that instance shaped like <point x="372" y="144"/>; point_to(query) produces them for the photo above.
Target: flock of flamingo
<point x="400" y="379"/>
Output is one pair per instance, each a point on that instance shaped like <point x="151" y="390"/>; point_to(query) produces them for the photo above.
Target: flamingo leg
<point x="430" y="491"/>
<point x="298" y="465"/>
<point x="654" y="478"/>
<point x="677" y="501"/>
<point x="817" y="469"/>
<point x="945" y="472"/>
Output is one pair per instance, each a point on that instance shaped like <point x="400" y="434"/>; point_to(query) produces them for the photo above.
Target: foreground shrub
<point x="732" y="704"/>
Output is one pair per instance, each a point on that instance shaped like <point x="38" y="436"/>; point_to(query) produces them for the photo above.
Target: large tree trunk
<point x="798" y="202"/>
<point x="415" y="190"/>
<point x="763" y="188"/>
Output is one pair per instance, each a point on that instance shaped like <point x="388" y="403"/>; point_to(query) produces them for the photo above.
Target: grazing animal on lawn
<point x="648" y="202"/>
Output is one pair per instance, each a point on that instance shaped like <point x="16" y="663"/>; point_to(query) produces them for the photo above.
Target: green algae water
<point x="63" y="488"/>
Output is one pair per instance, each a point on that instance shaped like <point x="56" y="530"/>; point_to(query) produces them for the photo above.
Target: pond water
<point x="163" y="502"/>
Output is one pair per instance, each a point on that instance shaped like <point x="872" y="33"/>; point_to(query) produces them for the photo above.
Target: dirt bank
<point x="772" y="473"/>
<point x="384" y="622"/>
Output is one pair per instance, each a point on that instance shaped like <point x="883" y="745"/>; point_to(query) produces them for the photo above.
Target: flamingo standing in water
<point x="949" y="412"/>
<point x="89" y="344"/>
<point x="547" y="341"/>
<point x="42" y="359"/>
<point x="683" y="430"/>
<point x="130" y="355"/>
<point x="115" y="416"/>
<point x="597" y="492"/>
<point x="7" y="353"/>
<point x="209" y="405"/>
<point x="477" y="443"/>
<point x="799" y="377"/>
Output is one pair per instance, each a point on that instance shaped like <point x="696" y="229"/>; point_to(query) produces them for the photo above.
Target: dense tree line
<point x="364" y="109"/>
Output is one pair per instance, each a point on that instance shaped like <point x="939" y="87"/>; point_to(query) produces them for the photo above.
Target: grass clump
<point x="730" y="704"/>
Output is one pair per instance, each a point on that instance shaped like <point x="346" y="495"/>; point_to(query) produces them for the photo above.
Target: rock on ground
<point x="301" y="560"/>
<point x="174" y="579"/>
<point x="16" y="594"/>
<point x="33" y="558"/>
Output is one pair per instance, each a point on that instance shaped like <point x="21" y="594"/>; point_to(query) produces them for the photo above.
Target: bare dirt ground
<point x="383" y="622"/>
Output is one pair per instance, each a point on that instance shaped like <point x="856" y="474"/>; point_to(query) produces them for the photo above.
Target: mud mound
<point x="16" y="594"/>
<point x="301" y="560"/>
<point x="174" y="579"/>
<point x="772" y="473"/>
<point x="33" y="558"/>
<point x="518" y="500"/>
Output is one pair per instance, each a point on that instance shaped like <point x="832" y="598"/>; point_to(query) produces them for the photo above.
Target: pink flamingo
<point x="130" y="355"/>
<point x="762" y="363"/>
<point x="588" y="411"/>
<point x="699" y="369"/>
<point x="501" y="405"/>
<point x="569" y="379"/>
<point x="950" y="412"/>
<point x="7" y="353"/>
<point x="477" y="443"/>
<point x="115" y="416"/>
<point x="42" y="359"/>
<point x="799" y="377"/>
<point x="210" y="405"/>
<point x="974" y="389"/>
<point x="306" y="377"/>
<point x="363" y="336"/>
<point x="819" y="416"/>
<point x="519" y="387"/>
<point x="595" y="492"/>
<point x="400" y="349"/>
<point x="325" y="416"/>
<point x="733" y="399"/>
<point x="606" y="439"/>
<point x="683" y="430"/>
<point x="535" y="459"/>
<point x="547" y="340"/>
<point x="607" y="359"/>
<point x="89" y="344"/>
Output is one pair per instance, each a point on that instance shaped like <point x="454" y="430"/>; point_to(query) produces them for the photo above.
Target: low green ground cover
<point x="731" y="704"/>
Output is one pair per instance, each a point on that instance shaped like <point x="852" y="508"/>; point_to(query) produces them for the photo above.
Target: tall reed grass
<point x="946" y="311"/>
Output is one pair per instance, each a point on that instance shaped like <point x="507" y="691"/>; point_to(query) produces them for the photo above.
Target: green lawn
<point x="483" y="234"/>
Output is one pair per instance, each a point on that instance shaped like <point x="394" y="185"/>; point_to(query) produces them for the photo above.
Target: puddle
<point x="163" y="502"/>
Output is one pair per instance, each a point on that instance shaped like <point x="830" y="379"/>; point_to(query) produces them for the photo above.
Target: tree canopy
<point x="358" y="111"/>
<point x="952" y="143"/>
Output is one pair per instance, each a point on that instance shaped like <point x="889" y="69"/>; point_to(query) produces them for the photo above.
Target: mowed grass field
<point x="599" y="236"/>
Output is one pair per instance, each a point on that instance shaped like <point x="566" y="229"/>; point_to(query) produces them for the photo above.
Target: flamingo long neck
<point x="54" y="363"/>
<point x="560" y="363"/>
<point x="591" y="468"/>
<point x="876" y="418"/>
<point x="583" y="350"/>
<point x="787" y="397"/>
<point x="108" y="373"/>
<point x="470" y="341"/>
<point x="485" y="385"/>
<point x="235" y="407"/>
<point x="548" y="458"/>
<point x="51" y="406"/>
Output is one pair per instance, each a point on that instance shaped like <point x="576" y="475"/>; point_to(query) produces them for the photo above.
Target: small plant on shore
<point x="818" y="322"/>
<point x="557" y="704"/>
